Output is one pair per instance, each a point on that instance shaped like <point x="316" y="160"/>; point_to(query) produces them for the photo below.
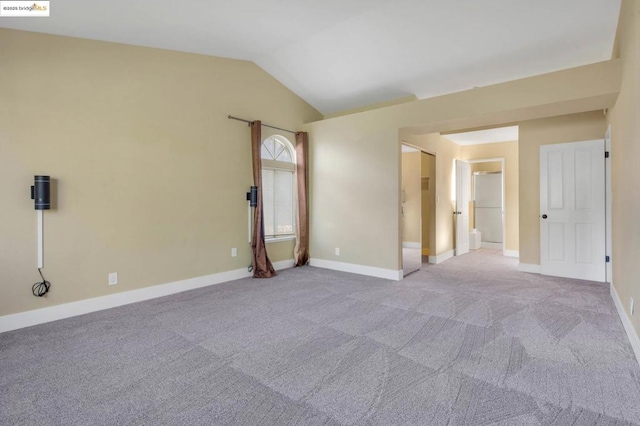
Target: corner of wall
<point x="632" y="334"/>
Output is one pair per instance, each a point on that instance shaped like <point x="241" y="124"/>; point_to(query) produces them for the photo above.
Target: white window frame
<point x="283" y="166"/>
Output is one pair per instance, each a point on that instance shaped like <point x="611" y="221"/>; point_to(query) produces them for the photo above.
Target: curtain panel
<point x="262" y="267"/>
<point x="301" y="249"/>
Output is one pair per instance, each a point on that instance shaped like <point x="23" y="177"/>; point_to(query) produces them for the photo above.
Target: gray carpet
<point x="468" y="342"/>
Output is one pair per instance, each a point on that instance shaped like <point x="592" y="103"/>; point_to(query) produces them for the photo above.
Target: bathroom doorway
<point x="487" y="205"/>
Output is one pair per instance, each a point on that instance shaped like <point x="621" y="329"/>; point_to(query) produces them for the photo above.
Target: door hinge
<point x="607" y="259"/>
<point x="606" y="154"/>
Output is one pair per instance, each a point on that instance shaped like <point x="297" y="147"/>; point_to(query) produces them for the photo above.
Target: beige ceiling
<point x="340" y="55"/>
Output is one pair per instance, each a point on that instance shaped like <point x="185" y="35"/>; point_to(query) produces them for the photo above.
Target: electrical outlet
<point x="337" y="251"/>
<point x="234" y="252"/>
<point x="631" y="306"/>
<point x="113" y="278"/>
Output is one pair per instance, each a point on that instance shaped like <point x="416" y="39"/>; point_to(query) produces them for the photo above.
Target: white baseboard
<point x="390" y="274"/>
<point x="283" y="264"/>
<point x="81" y="307"/>
<point x="441" y="257"/>
<point x="494" y="246"/>
<point x="528" y="267"/>
<point x="511" y="253"/>
<point x="411" y="244"/>
<point x="626" y="322"/>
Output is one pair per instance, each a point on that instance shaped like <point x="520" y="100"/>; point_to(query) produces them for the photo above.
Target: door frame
<point x="401" y="198"/>
<point x="504" y="182"/>
<point x="432" y="257"/>
<point x="460" y="208"/>
<point x="608" y="207"/>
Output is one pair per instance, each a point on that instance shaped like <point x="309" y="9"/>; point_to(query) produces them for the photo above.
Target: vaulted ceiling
<point x="339" y="54"/>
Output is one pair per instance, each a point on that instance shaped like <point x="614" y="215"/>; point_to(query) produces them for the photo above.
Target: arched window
<point x="278" y="185"/>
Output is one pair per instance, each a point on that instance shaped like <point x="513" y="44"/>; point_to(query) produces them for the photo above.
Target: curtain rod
<point x="231" y="117"/>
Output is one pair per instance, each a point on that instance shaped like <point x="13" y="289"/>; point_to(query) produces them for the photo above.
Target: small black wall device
<point x="252" y="196"/>
<point x="41" y="193"/>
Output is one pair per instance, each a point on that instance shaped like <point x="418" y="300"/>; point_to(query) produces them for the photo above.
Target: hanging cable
<point x="41" y="288"/>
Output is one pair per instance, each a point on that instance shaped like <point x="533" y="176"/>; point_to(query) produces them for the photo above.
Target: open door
<point x="463" y="179"/>
<point x="572" y="210"/>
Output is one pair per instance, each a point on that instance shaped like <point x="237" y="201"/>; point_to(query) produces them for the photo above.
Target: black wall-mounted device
<point x="41" y="192"/>
<point x="252" y="196"/>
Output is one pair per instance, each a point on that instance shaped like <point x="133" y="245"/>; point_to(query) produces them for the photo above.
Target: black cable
<point x="41" y="288"/>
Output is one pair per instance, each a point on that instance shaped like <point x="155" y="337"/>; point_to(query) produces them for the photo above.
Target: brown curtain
<point x="262" y="267"/>
<point x="301" y="250"/>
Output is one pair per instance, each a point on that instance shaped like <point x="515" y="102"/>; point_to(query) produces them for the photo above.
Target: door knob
<point x="544" y="216"/>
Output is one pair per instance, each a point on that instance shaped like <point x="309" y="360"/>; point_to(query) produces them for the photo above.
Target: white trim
<point x="477" y="142"/>
<point x="407" y="148"/>
<point x="268" y="240"/>
<point x="81" y="307"/>
<point x="390" y="274"/>
<point x="486" y="160"/>
<point x="416" y="147"/>
<point x="608" y="206"/>
<point x="626" y="322"/>
<point x="492" y="246"/>
<point x="411" y="244"/>
<point x="511" y="253"/>
<point x="441" y="257"/>
<point x="528" y="267"/>
<point x="283" y="264"/>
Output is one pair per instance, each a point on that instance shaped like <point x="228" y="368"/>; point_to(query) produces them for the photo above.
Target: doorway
<point x="417" y="208"/>
<point x="487" y="204"/>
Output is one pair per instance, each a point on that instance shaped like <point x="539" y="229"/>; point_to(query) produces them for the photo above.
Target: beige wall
<point x="428" y="184"/>
<point x="486" y="166"/>
<point x="625" y="139"/>
<point x="353" y="175"/>
<point x="508" y="151"/>
<point x="355" y="159"/>
<point x="533" y="134"/>
<point x="151" y="174"/>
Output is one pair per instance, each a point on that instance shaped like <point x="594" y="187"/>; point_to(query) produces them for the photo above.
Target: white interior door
<point x="463" y="179"/>
<point x="572" y="210"/>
